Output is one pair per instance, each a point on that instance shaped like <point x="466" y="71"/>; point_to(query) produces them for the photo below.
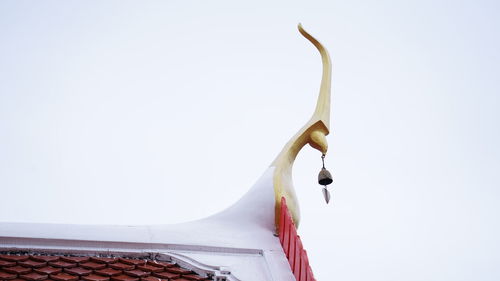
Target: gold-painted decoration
<point x="312" y="133"/>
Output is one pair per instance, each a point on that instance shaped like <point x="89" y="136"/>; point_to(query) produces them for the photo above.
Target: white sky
<point x="152" y="112"/>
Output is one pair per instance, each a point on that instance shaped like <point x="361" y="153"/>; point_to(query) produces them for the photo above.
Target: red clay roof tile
<point x="32" y="263"/>
<point x="150" y="268"/>
<point x="161" y="263"/>
<point x="93" y="265"/>
<point x="95" y="277"/>
<point x="47" y="270"/>
<point x="75" y="259"/>
<point x="132" y="261"/>
<point x="17" y="269"/>
<point x="63" y="277"/>
<point x="178" y="270"/>
<point x="124" y="277"/>
<point x="136" y="273"/>
<point x="7" y="263"/>
<point x="103" y="260"/>
<point x="151" y="278"/>
<point x="7" y="276"/>
<point x="78" y="271"/>
<point x="298" y="260"/>
<point x="122" y="266"/>
<point x="13" y="257"/>
<point x="66" y="268"/>
<point x="44" y="258"/>
<point x="108" y="272"/>
<point x="33" y="276"/>
<point x="62" y="264"/>
<point x="166" y="275"/>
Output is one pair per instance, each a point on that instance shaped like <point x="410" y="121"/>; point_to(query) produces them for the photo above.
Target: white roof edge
<point x="249" y="223"/>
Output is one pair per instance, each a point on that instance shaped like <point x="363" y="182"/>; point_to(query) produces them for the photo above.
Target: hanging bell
<point x="324" y="177"/>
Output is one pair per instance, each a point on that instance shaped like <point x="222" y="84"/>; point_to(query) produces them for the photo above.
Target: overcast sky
<point x="153" y="112"/>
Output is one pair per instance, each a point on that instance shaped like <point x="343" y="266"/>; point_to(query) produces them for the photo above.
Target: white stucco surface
<point x="249" y="223"/>
<point x="240" y="238"/>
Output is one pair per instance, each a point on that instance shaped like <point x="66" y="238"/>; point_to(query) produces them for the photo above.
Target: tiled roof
<point x="292" y="245"/>
<point x="22" y="266"/>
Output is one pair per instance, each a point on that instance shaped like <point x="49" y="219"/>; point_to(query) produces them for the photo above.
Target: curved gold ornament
<point x="313" y="133"/>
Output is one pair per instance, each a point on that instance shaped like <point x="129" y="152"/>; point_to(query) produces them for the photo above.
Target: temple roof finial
<point x="312" y="133"/>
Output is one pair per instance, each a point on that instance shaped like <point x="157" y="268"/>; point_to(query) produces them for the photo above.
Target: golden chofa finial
<point x="313" y="133"/>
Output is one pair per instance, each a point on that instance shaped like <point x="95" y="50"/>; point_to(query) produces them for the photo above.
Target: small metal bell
<point x="324" y="177"/>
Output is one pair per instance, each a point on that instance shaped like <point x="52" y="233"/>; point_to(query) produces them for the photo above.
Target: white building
<point x="255" y="239"/>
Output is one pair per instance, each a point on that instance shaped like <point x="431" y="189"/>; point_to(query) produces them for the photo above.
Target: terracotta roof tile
<point x="63" y="277"/>
<point x="137" y="273"/>
<point x="93" y="265"/>
<point x="78" y="271"/>
<point x="103" y="260"/>
<point x="71" y="268"/>
<point x="95" y="277"/>
<point x="75" y="259"/>
<point x="122" y="266"/>
<point x="178" y="270"/>
<point x="62" y="264"/>
<point x="47" y="270"/>
<point x="292" y="245"/>
<point x="108" y="272"/>
<point x="32" y="263"/>
<point x="33" y="276"/>
<point x="7" y="276"/>
<point x="166" y="275"/>
<point x="44" y="258"/>
<point x="161" y="263"/>
<point x="17" y="269"/>
<point x="4" y="263"/>
<point x="132" y="261"/>
<point x="13" y="257"/>
<point x="124" y="277"/>
<point x="151" y="278"/>
<point x="150" y="268"/>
